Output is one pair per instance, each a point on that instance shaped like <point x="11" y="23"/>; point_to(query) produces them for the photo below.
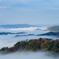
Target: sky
<point x="29" y="11"/>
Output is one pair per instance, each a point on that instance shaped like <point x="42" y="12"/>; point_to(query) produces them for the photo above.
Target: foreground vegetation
<point x="35" y="45"/>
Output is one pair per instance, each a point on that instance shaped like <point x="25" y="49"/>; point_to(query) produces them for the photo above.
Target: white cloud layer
<point x="29" y="29"/>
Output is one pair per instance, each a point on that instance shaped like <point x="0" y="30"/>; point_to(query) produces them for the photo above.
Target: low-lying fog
<point x="29" y="55"/>
<point x="10" y="40"/>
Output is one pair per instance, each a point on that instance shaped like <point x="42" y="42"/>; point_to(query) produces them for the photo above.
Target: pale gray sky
<point x="29" y="11"/>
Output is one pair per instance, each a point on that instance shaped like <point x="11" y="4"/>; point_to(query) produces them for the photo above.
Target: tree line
<point x="34" y="45"/>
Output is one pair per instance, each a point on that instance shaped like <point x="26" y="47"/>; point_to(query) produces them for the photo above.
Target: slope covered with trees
<point x="35" y="45"/>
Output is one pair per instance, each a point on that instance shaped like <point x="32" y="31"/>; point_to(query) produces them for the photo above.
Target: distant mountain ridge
<point x="53" y="28"/>
<point x="50" y="33"/>
<point x="6" y="33"/>
<point x="17" y="26"/>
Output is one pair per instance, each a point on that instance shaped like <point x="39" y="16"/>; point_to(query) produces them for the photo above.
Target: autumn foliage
<point x="34" y="45"/>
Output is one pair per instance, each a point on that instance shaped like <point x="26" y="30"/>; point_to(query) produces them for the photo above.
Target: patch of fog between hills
<point x="29" y="55"/>
<point x="6" y="44"/>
